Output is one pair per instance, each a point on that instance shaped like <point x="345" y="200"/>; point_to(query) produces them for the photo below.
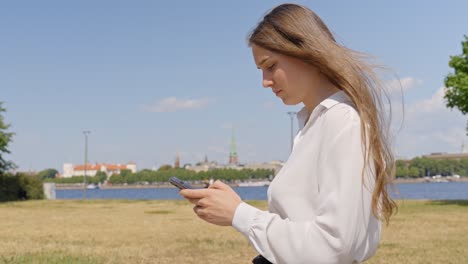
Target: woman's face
<point x="289" y="78"/>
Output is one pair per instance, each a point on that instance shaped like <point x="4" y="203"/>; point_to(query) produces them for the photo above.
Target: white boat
<point x="254" y="184"/>
<point x="92" y="186"/>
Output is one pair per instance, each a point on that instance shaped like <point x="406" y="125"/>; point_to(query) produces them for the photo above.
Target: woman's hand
<point x="216" y="204"/>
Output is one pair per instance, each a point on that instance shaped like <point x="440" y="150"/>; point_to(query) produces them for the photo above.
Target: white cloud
<point x="398" y="85"/>
<point x="433" y="104"/>
<point x="429" y="126"/>
<point x="172" y="104"/>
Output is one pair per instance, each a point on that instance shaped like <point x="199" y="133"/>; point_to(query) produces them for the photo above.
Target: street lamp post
<point x="292" y="115"/>
<point x="86" y="133"/>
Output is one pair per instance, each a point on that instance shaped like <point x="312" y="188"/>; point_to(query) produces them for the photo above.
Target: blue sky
<point x="152" y="78"/>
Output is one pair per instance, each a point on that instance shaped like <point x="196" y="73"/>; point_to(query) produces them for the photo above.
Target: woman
<point x="327" y="202"/>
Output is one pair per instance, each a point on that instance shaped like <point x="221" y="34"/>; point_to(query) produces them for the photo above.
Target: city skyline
<point x="151" y="79"/>
<point x="178" y="163"/>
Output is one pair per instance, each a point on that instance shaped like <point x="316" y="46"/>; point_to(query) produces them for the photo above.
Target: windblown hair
<point x="296" y="31"/>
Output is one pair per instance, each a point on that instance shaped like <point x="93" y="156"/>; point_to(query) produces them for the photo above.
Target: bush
<point x="9" y="188"/>
<point x="20" y="187"/>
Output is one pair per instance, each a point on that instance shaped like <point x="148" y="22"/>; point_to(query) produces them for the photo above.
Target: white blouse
<point x="319" y="202"/>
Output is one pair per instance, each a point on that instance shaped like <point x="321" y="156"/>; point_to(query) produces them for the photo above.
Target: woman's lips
<point x="277" y="92"/>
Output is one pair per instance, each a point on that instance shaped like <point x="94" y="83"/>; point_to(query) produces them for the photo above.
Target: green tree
<point x="402" y="172"/>
<point x="47" y="174"/>
<point x="30" y="187"/>
<point x="165" y="167"/>
<point x="9" y="187"/>
<point x="101" y="176"/>
<point x="5" y="139"/>
<point x="414" y="172"/>
<point x="456" y="94"/>
<point x="116" y="179"/>
<point x="20" y="187"/>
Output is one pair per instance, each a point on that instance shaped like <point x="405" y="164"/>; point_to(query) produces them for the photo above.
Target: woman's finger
<point x="195" y="193"/>
<point x="193" y="201"/>
<point x="200" y="211"/>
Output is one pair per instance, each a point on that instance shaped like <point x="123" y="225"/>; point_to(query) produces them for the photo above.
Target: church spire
<point x="177" y="160"/>
<point x="233" y="159"/>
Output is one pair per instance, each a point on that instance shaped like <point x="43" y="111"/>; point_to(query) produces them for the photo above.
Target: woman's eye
<point x="271" y="67"/>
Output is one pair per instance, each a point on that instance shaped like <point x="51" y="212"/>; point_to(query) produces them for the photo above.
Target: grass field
<point x="116" y="231"/>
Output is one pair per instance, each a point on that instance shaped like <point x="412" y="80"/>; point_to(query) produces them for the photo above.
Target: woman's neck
<point x="318" y="94"/>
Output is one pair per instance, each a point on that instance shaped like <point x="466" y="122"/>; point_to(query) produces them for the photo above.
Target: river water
<point x="426" y="191"/>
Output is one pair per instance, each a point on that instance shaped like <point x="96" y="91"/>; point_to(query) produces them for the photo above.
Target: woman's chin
<point x="289" y="102"/>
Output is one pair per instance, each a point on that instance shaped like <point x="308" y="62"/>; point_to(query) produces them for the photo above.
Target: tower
<point x="233" y="159"/>
<point x="177" y="161"/>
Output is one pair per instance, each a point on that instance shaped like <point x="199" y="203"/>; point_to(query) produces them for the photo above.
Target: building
<point x="70" y="170"/>
<point x="204" y="166"/>
<point x="212" y="165"/>
<point x="272" y="165"/>
<point x="445" y="156"/>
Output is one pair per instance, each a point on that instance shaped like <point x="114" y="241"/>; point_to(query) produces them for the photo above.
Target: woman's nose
<point x="267" y="81"/>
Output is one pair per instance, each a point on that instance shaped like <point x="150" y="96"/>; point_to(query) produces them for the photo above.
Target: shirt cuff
<point x="244" y="217"/>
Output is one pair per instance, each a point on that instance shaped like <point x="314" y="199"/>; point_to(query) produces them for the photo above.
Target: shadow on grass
<point x="449" y="202"/>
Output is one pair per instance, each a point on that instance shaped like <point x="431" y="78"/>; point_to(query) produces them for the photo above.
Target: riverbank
<point x="123" y="186"/>
<point x="122" y="231"/>
<point x="202" y="185"/>
<point x="420" y="180"/>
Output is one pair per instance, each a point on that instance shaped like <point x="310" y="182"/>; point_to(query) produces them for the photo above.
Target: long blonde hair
<point x="296" y="31"/>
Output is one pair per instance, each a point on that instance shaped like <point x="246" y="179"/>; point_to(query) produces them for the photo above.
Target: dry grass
<point x="112" y="231"/>
<point x="426" y="232"/>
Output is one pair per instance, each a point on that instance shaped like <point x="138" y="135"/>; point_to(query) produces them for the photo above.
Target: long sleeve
<point x="342" y="228"/>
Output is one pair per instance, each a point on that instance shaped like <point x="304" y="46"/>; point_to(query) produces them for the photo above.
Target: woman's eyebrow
<point x="262" y="61"/>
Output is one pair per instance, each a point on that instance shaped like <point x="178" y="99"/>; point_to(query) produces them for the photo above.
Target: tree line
<point x="163" y="175"/>
<point x="421" y="167"/>
<point x="414" y="168"/>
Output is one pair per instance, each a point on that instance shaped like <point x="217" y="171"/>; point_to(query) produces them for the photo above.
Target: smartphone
<point x="180" y="183"/>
